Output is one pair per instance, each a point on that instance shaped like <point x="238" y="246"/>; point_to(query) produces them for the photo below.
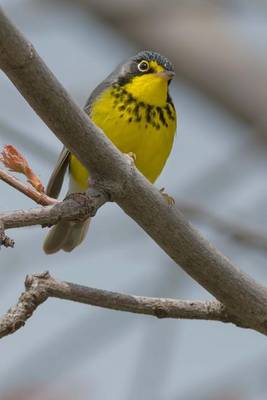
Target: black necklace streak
<point x="154" y="115"/>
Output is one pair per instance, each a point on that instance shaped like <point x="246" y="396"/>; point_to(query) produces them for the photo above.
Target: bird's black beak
<point x="167" y="75"/>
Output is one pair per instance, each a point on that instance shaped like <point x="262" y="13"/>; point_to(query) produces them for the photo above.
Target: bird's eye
<point x="143" y="66"/>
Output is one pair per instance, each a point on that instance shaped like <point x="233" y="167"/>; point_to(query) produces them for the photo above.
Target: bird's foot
<point x="131" y="157"/>
<point x="169" y="200"/>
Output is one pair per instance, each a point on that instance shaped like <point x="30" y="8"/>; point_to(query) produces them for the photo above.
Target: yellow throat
<point x="150" y="89"/>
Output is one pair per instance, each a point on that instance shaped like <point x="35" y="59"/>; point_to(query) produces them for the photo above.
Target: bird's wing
<point x="105" y="84"/>
<point x="57" y="176"/>
<point x="95" y="94"/>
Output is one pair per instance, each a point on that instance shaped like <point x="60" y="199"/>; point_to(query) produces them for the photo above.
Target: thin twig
<point x="25" y="188"/>
<point x="40" y="287"/>
<point x="76" y="207"/>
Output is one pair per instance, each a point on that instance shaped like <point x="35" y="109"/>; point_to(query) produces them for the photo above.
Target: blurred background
<point x="216" y="172"/>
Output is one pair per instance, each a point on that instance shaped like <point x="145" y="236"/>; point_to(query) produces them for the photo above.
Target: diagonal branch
<point x="25" y="188"/>
<point x="42" y="286"/>
<point x="246" y="298"/>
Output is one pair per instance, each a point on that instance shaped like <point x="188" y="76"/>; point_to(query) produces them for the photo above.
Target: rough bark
<point x="42" y="286"/>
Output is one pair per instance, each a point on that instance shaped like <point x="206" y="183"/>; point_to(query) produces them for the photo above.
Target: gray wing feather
<point x="95" y="94"/>
<point x="56" y="179"/>
<point x="105" y="84"/>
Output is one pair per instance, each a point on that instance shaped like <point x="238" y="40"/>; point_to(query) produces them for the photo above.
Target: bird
<point x="134" y="109"/>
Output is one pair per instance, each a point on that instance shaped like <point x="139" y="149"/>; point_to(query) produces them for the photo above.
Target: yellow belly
<point x="150" y="137"/>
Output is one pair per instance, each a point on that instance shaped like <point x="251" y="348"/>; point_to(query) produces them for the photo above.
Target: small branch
<point x="4" y="239"/>
<point x="42" y="286"/>
<point x="28" y="190"/>
<point x="76" y="207"/>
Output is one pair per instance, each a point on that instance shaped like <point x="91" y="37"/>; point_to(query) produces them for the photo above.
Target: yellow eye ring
<point x="143" y="66"/>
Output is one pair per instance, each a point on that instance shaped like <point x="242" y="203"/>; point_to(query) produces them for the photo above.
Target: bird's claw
<point x="131" y="157"/>
<point x="169" y="200"/>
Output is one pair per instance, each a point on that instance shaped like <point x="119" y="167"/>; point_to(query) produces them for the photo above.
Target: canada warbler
<point x="134" y="109"/>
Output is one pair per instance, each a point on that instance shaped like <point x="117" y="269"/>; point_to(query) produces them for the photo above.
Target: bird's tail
<point x="66" y="235"/>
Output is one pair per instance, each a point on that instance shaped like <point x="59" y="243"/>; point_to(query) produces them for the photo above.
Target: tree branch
<point x="243" y="234"/>
<point x="76" y="207"/>
<point x="40" y="287"/>
<point x="4" y="239"/>
<point x="246" y="298"/>
<point x="28" y="190"/>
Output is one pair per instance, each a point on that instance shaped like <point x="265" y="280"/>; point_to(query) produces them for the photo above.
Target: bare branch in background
<point x="25" y="188"/>
<point x="242" y="234"/>
<point x="240" y="294"/>
<point x="40" y="287"/>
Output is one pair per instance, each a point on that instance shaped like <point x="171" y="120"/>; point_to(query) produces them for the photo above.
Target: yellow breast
<point x="145" y="129"/>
